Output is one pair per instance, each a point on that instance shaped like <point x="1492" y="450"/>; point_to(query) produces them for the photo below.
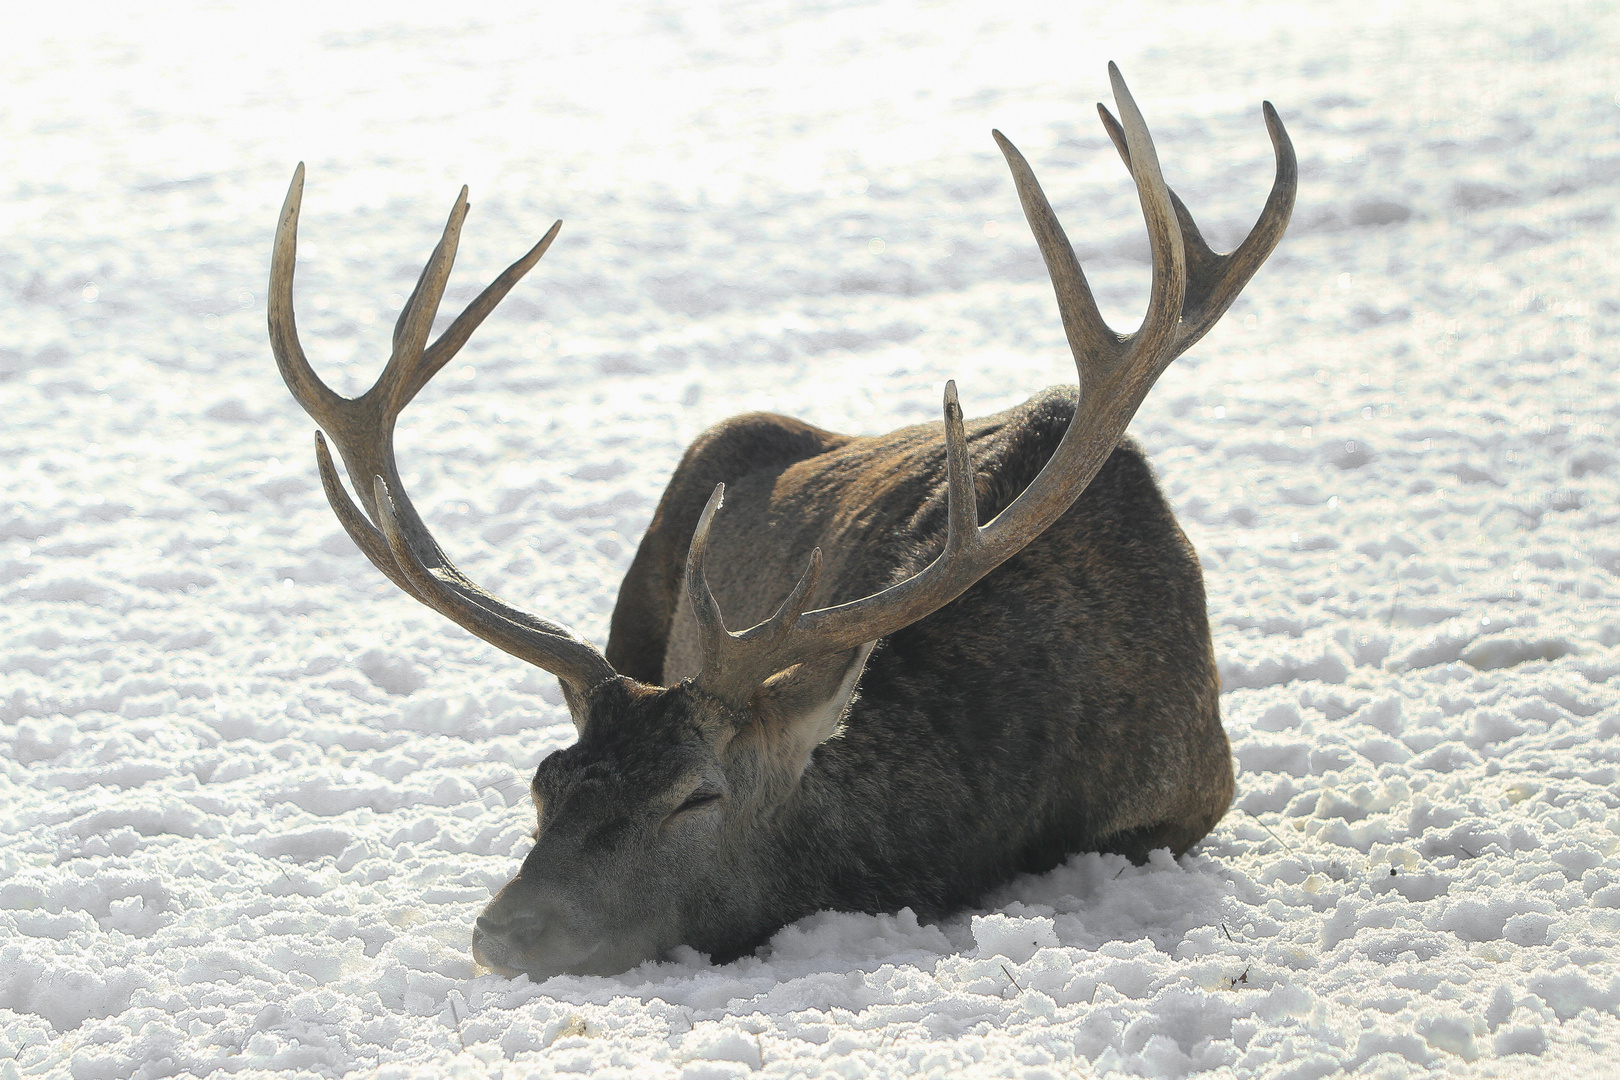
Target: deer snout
<point x="495" y="942"/>
<point x="531" y="934"/>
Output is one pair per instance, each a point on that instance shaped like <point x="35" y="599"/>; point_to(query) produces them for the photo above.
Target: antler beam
<point x="390" y="532"/>
<point x="1192" y="287"/>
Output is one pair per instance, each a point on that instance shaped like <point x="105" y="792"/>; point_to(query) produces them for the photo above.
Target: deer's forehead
<point x="662" y="718"/>
<point x="633" y="753"/>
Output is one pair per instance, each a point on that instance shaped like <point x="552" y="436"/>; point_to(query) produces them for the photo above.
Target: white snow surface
<point x="252" y="797"/>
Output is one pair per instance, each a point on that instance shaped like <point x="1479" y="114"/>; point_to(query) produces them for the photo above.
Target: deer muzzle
<point x="526" y="932"/>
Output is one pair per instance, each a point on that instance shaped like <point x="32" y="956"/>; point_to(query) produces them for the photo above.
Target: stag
<point x="996" y="654"/>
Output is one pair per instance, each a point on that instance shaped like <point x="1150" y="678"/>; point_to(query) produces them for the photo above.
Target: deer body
<point x="961" y="762"/>
<point x="996" y="653"/>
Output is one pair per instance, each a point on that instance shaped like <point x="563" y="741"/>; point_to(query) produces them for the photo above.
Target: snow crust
<point x="251" y="798"/>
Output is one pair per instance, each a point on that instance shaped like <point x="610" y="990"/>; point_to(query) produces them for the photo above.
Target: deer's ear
<point x="804" y="706"/>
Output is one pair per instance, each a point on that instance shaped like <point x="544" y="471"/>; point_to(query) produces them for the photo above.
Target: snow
<point x="252" y="797"/>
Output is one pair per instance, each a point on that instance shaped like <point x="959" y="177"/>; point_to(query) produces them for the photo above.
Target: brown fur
<point x="1067" y="702"/>
<point x="1084" y="663"/>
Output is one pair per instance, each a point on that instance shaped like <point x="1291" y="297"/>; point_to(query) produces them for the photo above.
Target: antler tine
<point x="970" y="551"/>
<point x="780" y="627"/>
<point x="961" y="497"/>
<point x="1268" y="230"/>
<point x="307" y="389"/>
<point x="1169" y="287"/>
<point x="734" y="664"/>
<point x="1199" y="256"/>
<point x="372" y="543"/>
<point x="1082" y="323"/>
<point x="416" y="317"/>
<point x="705" y="609"/>
<point x="543" y="644"/>
<point x="455" y="336"/>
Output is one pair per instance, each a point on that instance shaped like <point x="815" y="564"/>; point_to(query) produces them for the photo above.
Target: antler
<point x="399" y="543"/>
<point x="1192" y="288"/>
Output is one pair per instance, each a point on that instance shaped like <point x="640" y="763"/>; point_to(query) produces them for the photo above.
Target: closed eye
<point x="699" y="798"/>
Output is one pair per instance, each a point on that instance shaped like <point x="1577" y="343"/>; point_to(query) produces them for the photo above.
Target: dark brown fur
<point x="1068" y="702"/>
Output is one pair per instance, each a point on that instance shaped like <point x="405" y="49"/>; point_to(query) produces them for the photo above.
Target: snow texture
<point x="253" y="797"/>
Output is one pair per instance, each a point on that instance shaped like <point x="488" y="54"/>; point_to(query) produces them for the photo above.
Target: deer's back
<point x="1066" y="702"/>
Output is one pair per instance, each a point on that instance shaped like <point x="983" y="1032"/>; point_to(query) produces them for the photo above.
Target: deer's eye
<point x="700" y="798"/>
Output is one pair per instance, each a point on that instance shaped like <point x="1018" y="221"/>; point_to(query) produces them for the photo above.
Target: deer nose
<point x="512" y="937"/>
<point x="505" y="928"/>
<point x="505" y="934"/>
<point x="498" y="926"/>
<point x="493" y="939"/>
<point x="536" y="935"/>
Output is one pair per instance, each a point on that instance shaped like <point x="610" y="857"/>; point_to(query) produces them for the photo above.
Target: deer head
<point x="656" y="827"/>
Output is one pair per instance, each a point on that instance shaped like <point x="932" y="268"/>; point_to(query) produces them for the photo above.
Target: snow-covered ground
<point x="252" y="797"/>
